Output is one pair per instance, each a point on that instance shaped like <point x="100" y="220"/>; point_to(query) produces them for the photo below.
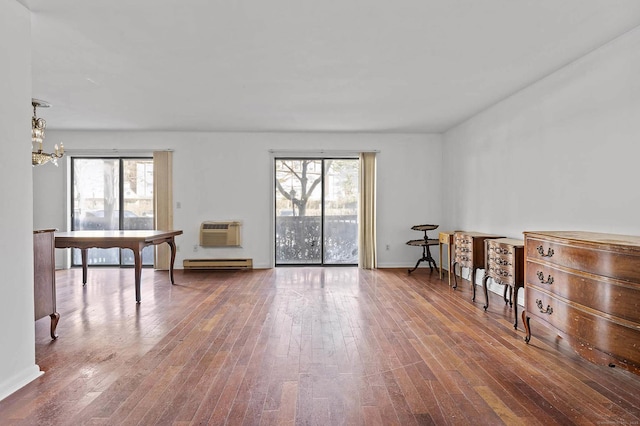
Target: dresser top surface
<point x="508" y="241"/>
<point x="478" y="234"/>
<point x="596" y="238"/>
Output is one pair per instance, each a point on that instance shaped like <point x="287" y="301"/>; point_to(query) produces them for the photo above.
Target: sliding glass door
<point x="316" y="211"/>
<point x="112" y="194"/>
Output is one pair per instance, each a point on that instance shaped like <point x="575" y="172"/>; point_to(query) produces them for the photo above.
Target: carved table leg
<point x="430" y="259"/>
<point x="473" y="283"/>
<point x="515" y="304"/>
<point x="485" y="280"/>
<point x="172" y="244"/>
<point x="527" y="327"/>
<point x="55" y="317"/>
<point x="415" y="267"/>
<point x="455" y="277"/>
<point x="504" y="296"/>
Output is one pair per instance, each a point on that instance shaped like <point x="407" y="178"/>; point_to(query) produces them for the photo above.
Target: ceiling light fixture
<point x="38" y="125"/>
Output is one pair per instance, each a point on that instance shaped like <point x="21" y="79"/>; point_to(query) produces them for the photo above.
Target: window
<point x="112" y="194"/>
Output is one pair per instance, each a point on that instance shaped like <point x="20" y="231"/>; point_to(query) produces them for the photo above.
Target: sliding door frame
<point x="322" y="159"/>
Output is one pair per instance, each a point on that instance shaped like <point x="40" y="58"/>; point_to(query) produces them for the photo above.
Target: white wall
<point x="220" y="176"/>
<point x="560" y="155"/>
<point x="17" y="337"/>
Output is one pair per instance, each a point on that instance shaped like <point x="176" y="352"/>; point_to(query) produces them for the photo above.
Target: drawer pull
<point x="541" y="251"/>
<point x="541" y="278"/>
<point x="502" y="251"/>
<point x="501" y="272"/>
<point x="547" y="311"/>
<point x="502" y="262"/>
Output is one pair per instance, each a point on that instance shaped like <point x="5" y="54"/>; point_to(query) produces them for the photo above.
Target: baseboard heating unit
<point x="213" y="264"/>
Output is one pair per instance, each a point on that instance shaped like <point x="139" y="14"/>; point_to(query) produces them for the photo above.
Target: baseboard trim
<point x="17" y="381"/>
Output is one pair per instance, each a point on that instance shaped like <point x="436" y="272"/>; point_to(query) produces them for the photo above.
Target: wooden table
<point x="424" y="243"/>
<point x="134" y="240"/>
<point x="446" y="238"/>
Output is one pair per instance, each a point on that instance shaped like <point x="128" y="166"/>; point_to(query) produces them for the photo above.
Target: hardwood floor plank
<point x="304" y="346"/>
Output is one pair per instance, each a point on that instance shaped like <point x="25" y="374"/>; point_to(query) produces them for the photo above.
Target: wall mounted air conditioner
<point x="220" y="234"/>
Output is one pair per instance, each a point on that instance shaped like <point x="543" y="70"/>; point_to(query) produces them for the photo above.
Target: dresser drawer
<point x="445" y="238"/>
<point x="463" y="250"/>
<point x="505" y="260"/>
<point x="622" y="298"/>
<point x="620" y="265"/>
<point x="464" y="260"/>
<point x="502" y="275"/>
<point x="546" y="307"/>
<point x="591" y="330"/>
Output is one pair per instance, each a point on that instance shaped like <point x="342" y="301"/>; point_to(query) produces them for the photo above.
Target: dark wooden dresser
<point x="469" y="253"/>
<point x="586" y="286"/>
<point x="44" y="277"/>
<point x="505" y="265"/>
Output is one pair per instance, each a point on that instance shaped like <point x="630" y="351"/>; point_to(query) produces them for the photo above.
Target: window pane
<point x="137" y="190"/>
<point x="96" y="183"/>
<point x="341" y="211"/>
<point x="298" y="211"/>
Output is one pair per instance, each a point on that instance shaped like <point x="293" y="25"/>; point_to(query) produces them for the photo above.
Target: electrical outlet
<point x="195" y="247"/>
<point x="178" y="205"/>
<point x="388" y="247"/>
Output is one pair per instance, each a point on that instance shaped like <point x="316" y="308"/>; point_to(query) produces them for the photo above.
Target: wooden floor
<point x="322" y="346"/>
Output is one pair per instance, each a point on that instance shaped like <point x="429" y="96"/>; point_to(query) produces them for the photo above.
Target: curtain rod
<point x="322" y="151"/>
<point x="115" y="151"/>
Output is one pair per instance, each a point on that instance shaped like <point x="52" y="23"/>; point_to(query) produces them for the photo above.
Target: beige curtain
<point x="163" y="203"/>
<point x="367" y="222"/>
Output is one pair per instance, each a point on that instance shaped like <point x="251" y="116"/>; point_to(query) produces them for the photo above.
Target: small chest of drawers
<point x="586" y="286"/>
<point x="44" y="278"/>
<point x="469" y="253"/>
<point x="505" y="266"/>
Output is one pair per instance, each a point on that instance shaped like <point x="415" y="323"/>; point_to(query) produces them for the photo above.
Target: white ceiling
<point x="302" y="65"/>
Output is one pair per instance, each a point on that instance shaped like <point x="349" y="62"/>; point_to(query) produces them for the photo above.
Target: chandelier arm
<point x="38" y="125"/>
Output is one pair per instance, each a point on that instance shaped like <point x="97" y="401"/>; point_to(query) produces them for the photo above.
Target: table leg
<point x="473" y="283"/>
<point x="515" y="306"/>
<point x="485" y="281"/>
<point x="440" y="247"/>
<point x="172" y="244"/>
<point x="137" y="255"/>
<point x="455" y="277"/>
<point x="527" y="326"/>
<point x="449" y="262"/>
<point x="84" y="265"/>
<point x="55" y="317"/>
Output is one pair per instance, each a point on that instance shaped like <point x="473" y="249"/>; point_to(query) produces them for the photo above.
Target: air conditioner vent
<point x="215" y="225"/>
<point x="220" y="234"/>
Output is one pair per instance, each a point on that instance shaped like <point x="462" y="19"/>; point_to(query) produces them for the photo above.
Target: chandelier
<point x="38" y="156"/>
